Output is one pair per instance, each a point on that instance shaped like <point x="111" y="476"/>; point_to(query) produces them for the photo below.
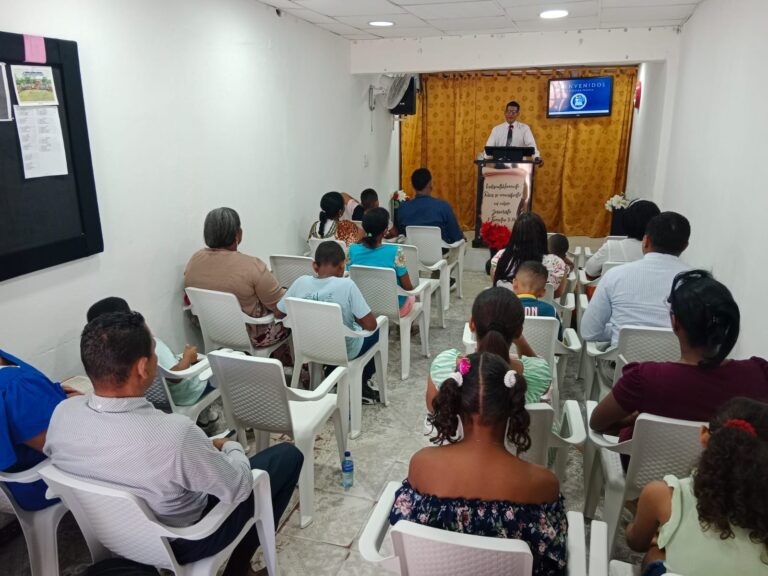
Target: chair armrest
<point x="605" y="440"/>
<point x="583" y="280"/>
<point x="456" y="244"/>
<point x="193" y="370"/>
<point x="376" y="528"/>
<point x="268" y="319"/>
<point x="439" y="265"/>
<point x="598" y="548"/>
<point x="570" y="344"/>
<point x="577" y="545"/>
<point x="380" y="322"/>
<point x="583" y="303"/>
<point x="335" y="377"/>
<point x="417" y="291"/>
<point x="595" y="352"/>
<point x="578" y="433"/>
<point x="25" y="476"/>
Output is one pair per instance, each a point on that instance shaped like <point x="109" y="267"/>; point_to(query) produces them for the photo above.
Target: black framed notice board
<point x="48" y="220"/>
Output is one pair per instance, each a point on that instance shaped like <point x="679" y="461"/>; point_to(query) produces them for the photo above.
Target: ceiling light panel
<point x="575" y="10"/>
<point x="399" y="20"/>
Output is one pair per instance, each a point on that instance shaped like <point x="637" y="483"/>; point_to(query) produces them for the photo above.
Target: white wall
<point x="192" y="104"/>
<point x="717" y="155"/>
<point x="485" y="52"/>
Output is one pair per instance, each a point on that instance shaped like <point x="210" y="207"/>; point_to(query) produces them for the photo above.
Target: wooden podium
<point x="504" y="187"/>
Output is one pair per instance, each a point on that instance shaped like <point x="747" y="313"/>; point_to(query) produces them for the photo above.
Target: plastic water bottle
<point x="347" y="471"/>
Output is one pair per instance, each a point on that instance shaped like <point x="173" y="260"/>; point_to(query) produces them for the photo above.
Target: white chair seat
<point x="430" y="244"/>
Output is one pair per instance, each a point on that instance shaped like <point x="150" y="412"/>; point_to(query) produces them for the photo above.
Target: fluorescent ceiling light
<point x="381" y="23"/>
<point x="552" y="14"/>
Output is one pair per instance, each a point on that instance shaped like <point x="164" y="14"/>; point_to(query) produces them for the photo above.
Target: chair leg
<point x="306" y="443"/>
<point x="445" y="287"/>
<point x="424" y="333"/>
<point x="593" y="480"/>
<point x="355" y="401"/>
<point x="341" y="433"/>
<point x="427" y="316"/>
<point x="381" y="371"/>
<point x="440" y="309"/>
<point x="265" y="526"/>
<point x="40" y="533"/>
<point x="405" y="348"/>
<point x="296" y="376"/>
<point x="262" y="440"/>
<point x="460" y="271"/>
<point x="614" y="502"/>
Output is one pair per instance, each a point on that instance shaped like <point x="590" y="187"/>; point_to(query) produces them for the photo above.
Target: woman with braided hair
<point x="497" y="322"/>
<point x="715" y="522"/>
<point x="705" y="318"/>
<point x="476" y="486"/>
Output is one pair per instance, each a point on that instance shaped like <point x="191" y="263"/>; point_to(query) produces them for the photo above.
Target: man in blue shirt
<point x="424" y="210"/>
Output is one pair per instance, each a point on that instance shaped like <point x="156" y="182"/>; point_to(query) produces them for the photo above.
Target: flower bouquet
<point x="494" y="235"/>
<point x="398" y="197"/>
<point x="616" y="202"/>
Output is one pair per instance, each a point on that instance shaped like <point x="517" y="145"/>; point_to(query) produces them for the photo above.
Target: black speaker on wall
<point x="407" y="106"/>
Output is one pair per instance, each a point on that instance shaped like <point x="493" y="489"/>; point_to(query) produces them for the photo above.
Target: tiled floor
<point x="390" y="436"/>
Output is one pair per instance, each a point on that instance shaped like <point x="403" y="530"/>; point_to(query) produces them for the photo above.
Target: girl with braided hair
<point x="497" y="322"/>
<point x="716" y="521"/>
<point x="476" y="486"/>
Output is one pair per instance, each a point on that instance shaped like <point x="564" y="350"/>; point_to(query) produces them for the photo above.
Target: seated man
<point x="116" y="436"/>
<point x="185" y="392"/>
<point x="356" y="210"/>
<point x="424" y="210"/>
<point x="27" y="400"/>
<point x="331" y="286"/>
<point x="530" y="284"/>
<point x="635" y="294"/>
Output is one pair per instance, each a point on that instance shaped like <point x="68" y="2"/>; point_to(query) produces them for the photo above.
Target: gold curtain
<point x="585" y="159"/>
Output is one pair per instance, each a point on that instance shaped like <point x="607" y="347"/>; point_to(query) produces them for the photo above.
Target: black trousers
<point x="283" y="464"/>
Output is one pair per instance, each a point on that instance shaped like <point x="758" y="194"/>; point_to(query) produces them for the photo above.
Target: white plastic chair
<point x="380" y="290"/>
<point x="315" y="242"/>
<point x="255" y="396"/>
<point x="424" y="551"/>
<point x="430" y="244"/>
<point x="318" y="336"/>
<point x="659" y="446"/>
<point x="39" y="526"/>
<point x="159" y="393"/>
<point x="585" y="282"/>
<point x="114" y="521"/>
<point x="222" y="322"/>
<point x="286" y="269"/>
<point x="413" y="263"/>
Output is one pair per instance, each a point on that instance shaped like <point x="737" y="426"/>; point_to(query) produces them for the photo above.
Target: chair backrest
<point x="426" y="551"/>
<point x="221" y="319"/>
<point x="316" y="331"/>
<point x="609" y="265"/>
<point x="159" y="394"/>
<point x="429" y="242"/>
<point x="315" y="242"/>
<point x="645" y="344"/>
<point x="662" y="446"/>
<point x="549" y="292"/>
<point x="379" y="288"/>
<point x="253" y="391"/>
<point x="359" y="224"/>
<point x="117" y="520"/>
<point x="615" y="238"/>
<point x="412" y="262"/>
<point x="541" y="334"/>
<point x="542" y="416"/>
<point x="288" y="268"/>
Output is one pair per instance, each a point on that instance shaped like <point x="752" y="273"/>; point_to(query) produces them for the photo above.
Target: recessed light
<point x="552" y="14"/>
<point x="381" y="23"/>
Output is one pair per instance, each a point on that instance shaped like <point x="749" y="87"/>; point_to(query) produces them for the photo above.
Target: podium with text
<point x="504" y="187"/>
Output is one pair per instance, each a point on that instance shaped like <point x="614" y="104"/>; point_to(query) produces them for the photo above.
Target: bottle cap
<point x="347" y="453"/>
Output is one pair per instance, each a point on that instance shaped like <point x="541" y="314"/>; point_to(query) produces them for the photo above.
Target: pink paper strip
<point x="34" y="49"/>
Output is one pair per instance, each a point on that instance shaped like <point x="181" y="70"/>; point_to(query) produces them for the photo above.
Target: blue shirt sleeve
<point x="452" y="230"/>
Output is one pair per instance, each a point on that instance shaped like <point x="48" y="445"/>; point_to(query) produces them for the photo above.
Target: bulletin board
<point x="48" y="220"/>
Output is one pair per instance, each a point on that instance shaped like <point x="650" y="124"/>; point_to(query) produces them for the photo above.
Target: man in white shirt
<point x="635" y="294"/>
<point x="514" y="133"/>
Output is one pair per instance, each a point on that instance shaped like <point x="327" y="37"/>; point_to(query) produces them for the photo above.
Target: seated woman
<point x="371" y="252"/>
<point x="27" y="401"/>
<point x="635" y="219"/>
<point x="330" y="225"/>
<point x="497" y="322"/>
<point x="528" y="241"/>
<point x="221" y="267"/>
<point x="705" y="319"/>
<point x="476" y="486"/>
<point x="714" y="522"/>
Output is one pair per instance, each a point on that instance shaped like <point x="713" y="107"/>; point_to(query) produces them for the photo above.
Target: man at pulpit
<point x="514" y="133"/>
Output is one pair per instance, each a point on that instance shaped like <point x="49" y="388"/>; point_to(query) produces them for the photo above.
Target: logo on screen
<point x="578" y="101"/>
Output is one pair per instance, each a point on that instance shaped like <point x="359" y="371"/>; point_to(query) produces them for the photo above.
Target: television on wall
<point x="580" y="97"/>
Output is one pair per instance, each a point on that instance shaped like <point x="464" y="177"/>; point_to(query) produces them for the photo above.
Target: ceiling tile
<point x="351" y="7"/>
<point x="339" y="28"/>
<point x="281" y="4"/>
<point x="414" y="2"/>
<point x="422" y="32"/>
<point x="311" y="16"/>
<point x="360" y="37"/>
<point x="645" y="3"/>
<point x="454" y="24"/>
<point x="535" y="3"/>
<point x="485" y="32"/>
<point x="400" y="20"/>
<point x="677" y="12"/>
<point x="456" y="9"/>
<point x="575" y="10"/>
<point x="640" y="23"/>
<point x="541" y="25"/>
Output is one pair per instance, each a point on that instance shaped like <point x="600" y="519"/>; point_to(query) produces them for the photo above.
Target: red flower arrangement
<point x="494" y="235"/>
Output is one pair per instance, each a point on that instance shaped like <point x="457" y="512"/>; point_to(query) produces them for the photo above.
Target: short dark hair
<point x="636" y="217"/>
<point x="669" y="233"/>
<point x="329" y="252"/>
<point x="536" y="271"/>
<point x="514" y="104"/>
<point x="107" y="305"/>
<point x="558" y="244"/>
<point x="375" y="223"/>
<point x="220" y="228"/>
<point x="112" y="343"/>
<point x="368" y="198"/>
<point x="420" y="178"/>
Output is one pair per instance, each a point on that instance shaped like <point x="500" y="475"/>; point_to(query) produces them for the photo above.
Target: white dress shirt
<point x="521" y="136"/>
<point x="633" y="294"/>
<point x="163" y="459"/>
<point x="624" y="250"/>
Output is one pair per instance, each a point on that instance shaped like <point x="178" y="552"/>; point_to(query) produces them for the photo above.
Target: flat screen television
<point x="580" y="97"/>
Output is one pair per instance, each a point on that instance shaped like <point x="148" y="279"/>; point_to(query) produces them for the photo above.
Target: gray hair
<point x="221" y="226"/>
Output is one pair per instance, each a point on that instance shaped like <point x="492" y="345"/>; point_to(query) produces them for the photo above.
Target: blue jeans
<point x="283" y="464"/>
<point x="370" y="368"/>
<point x="655" y="568"/>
